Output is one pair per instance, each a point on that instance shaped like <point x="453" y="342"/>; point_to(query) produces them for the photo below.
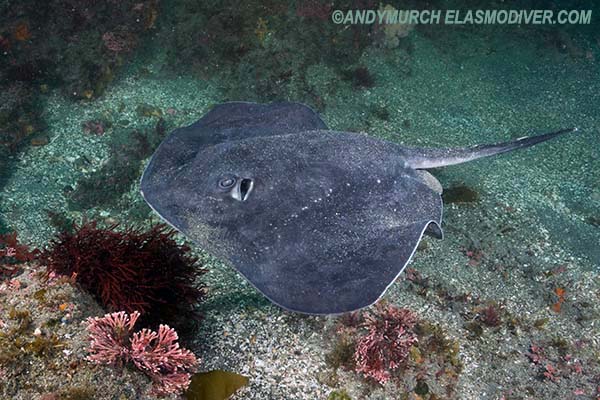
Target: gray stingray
<point x="321" y="222"/>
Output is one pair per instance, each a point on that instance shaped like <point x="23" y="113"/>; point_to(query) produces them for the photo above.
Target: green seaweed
<point x="43" y="346"/>
<point x="433" y="340"/>
<point x="11" y="341"/>
<point x="338" y="395"/>
<point x="475" y="330"/>
<point x="22" y="316"/>
<point x="422" y="388"/>
<point x="561" y="345"/>
<point x="540" y="323"/>
<point x="40" y="295"/>
<point x="214" y="385"/>
<point x="342" y="353"/>
<point x="17" y="342"/>
<point x="147" y="110"/>
<point x="8" y="350"/>
<point x="75" y="393"/>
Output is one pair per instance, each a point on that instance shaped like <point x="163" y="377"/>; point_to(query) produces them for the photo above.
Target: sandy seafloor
<point x="533" y="215"/>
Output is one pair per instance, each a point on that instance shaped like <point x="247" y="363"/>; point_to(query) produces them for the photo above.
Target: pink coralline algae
<point x="109" y="337"/>
<point x="386" y="344"/>
<point x="119" y="42"/>
<point x="536" y="354"/>
<point x="13" y="253"/>
<point x="157" y="354"/>
<point x="94" y="126"/>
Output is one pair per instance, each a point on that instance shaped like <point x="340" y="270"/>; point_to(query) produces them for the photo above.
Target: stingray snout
<point x="242" y="189"/>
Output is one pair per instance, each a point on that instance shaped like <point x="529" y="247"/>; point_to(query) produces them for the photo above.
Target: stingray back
<point x="226" y="122"/>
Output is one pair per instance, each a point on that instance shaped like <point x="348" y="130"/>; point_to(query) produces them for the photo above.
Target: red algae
<point x="131" y="270"/>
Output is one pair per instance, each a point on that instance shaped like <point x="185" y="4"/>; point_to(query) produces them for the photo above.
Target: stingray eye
<point x="226" y="183"/>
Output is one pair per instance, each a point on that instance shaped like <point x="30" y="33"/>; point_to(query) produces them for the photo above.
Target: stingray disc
<point x="320" y="222"/>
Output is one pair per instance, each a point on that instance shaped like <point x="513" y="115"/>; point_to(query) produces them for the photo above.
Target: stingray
<point x="319" y="221"/>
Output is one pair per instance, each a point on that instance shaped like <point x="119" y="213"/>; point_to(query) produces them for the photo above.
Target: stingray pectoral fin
<point x="423" y="158"/>
<point x="241" y="120"/>
<point x="334" y="285"/>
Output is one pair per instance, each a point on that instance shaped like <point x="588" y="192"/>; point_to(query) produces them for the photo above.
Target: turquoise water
<point x="440" y="86"/>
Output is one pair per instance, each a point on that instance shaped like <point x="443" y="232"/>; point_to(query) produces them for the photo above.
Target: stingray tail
<point x="423" y="158"/>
